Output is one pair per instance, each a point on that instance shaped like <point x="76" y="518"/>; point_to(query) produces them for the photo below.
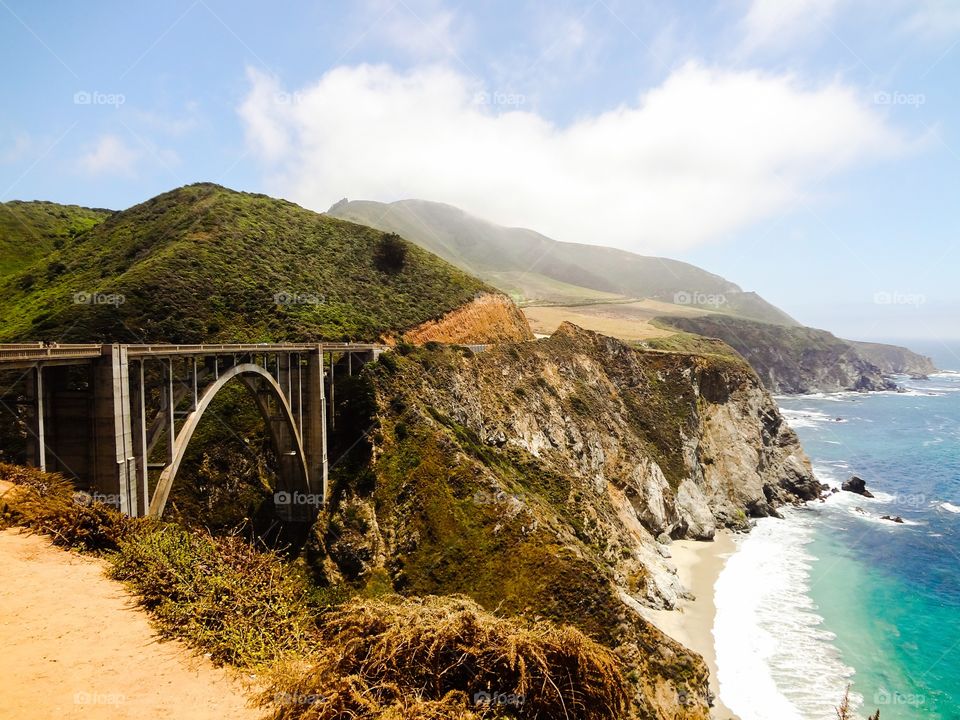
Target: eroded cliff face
<point x="489" y="318"/>
<point x="793" y="359"/>
<point x="894" y="359"/>
<point x="536" y="477"/>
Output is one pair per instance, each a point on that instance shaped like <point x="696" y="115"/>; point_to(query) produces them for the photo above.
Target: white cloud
<point x="110" y="156"/>
<point x="776" y="24"/>
<point x="707" y="152"/>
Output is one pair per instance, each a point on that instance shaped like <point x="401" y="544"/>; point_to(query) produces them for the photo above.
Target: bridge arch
<point x="288" y="444"/>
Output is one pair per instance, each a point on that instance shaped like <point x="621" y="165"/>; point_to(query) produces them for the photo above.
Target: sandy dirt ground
<point x="698" y="567"/>
<point x="74" y="646"/>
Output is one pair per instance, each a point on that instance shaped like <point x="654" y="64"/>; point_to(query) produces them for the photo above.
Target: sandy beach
<point x="691" y="624"/>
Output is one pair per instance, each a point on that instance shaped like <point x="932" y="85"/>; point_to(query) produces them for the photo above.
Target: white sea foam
<point x="949" y="507"/>
<point x="861" y="514"/>
<point x="774" y="658"/>
<point x="805" y="418"/>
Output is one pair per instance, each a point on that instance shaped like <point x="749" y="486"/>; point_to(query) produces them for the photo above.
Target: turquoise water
<point x="889" y="594"/>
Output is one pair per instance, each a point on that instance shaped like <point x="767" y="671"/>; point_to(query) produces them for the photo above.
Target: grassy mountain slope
<point x="540" y="269"/>
<point x="205" y="263"/>
<point x="31" y="230"/>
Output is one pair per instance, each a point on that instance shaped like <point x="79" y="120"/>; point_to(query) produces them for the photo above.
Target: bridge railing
<point x="38" y="351"/>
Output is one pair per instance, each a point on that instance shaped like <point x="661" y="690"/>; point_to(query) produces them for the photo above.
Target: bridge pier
<point x="114" y="460"/>
<point x="138" y="429"/>
<point x="315" y="439"/>
<point x="37" y="436"/>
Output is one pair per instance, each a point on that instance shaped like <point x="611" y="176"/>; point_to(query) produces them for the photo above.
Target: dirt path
<point x="73" y="646"/>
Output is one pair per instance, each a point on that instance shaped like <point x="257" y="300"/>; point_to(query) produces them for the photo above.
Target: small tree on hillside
<point x="391" y="253"/>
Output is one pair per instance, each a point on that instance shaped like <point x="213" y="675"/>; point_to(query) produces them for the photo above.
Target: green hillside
<point x="205" y="263"/>
<point x="31" y="230"/>
<point x="539" y="269"/>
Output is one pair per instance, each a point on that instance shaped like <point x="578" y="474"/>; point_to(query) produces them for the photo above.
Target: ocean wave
<point x="862" y="514"/>
<point x="949" y="507"/>
<point x="774" y="658"/>
<point x="831" y="472"/>
<point x="805" y="418"/>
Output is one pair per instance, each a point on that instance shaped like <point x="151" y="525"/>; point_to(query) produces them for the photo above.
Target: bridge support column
<point x="37" y="441"/>
<point x="315" y="425"/>
<point x="138" y="426"/>
<point x="114" y="462"/>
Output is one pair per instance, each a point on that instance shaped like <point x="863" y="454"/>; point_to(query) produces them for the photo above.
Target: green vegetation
<point x="243" y="606"/>
<point x="685" y="342"/>
<point x="535" y="269"/>
<point x="204" y="263"/>
<point x="228" y="473"/>
<point x="30" y="231"/>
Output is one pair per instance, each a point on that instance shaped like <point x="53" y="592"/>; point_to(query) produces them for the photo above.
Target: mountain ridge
<point x="516" y="259"/>
<point x="203" y="263"/>
<point x="639" y="298"/>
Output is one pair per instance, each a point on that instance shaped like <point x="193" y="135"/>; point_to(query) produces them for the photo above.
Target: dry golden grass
<point x="48" y="503"/>
<point x="628" y="321"/>
<point x="443" y="658"/>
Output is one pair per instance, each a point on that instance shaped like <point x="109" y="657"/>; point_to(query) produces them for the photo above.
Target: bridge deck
<point x="28" y="353"/>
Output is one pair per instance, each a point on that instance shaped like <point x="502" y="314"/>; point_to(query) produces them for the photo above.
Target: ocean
<point x="834" y="595"/>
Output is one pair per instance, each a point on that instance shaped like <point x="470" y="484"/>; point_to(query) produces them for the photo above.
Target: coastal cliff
<point x="537" y="477"/>
<point x="794" y="360"/>
<point x="894" y="359"/>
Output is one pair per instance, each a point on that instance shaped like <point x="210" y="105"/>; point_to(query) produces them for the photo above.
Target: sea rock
<point x="857" y="485"/>
<point x="896" y="519"/>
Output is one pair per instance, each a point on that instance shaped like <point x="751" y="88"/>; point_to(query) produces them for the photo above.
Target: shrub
<point x="222" y="595"/>
<point x="47" y="503"/>
<point x="436" y="657"/>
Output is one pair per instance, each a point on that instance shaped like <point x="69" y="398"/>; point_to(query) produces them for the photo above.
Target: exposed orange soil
<point x="487" y="319"/>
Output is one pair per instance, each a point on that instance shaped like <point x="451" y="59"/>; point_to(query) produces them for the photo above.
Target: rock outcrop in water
<point x="856" y="485"/>
<point x="535" y="478"/>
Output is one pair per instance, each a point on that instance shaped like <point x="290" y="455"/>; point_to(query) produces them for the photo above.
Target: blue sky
<point x="805" y="149"/>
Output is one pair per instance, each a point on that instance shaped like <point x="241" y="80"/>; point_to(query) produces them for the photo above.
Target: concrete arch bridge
<point x="135" y="402"/>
